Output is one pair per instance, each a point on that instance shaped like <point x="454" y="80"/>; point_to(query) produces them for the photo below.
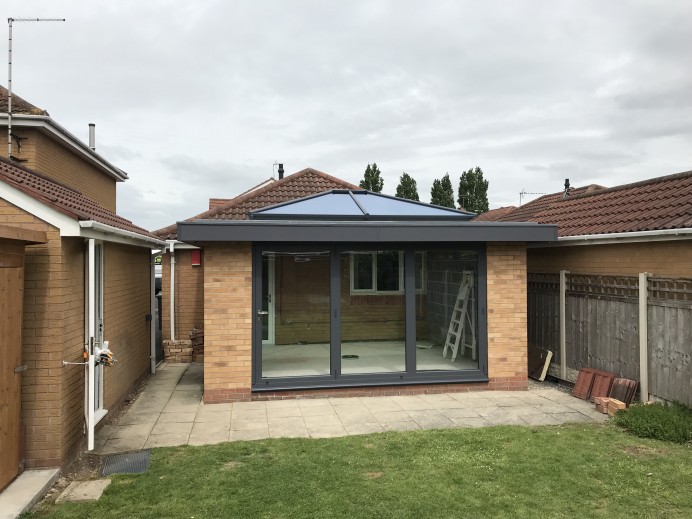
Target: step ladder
<point x="462" y="315"/>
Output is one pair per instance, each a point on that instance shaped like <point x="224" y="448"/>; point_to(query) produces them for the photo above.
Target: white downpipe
<point x="563" y="324"/>
<point x="172" y="301"/>
<point x="91" y="337"/>
<point x="643" y="337"/>
<point x="152" y="313"/>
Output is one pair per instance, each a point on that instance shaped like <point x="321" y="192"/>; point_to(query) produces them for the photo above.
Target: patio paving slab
<point x="170" y="411"/>
<point x="79" y="491"/>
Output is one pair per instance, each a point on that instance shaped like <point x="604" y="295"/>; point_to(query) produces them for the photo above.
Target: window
<point x="382" y="272"/>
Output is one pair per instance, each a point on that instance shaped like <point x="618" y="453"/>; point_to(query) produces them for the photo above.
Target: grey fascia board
<point x="369" y="231"/>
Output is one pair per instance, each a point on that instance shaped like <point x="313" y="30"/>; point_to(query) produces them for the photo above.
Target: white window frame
<point x="373" y="290"/>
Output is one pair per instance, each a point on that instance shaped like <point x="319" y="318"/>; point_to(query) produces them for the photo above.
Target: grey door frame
<point x="336" y="378"/>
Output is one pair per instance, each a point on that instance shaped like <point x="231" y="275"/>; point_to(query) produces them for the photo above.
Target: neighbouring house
<point x="349" y="292"/>
<point x="640" y="227"/>
<point x="614" y="292"/>
<point x="90" y="285"/>
<point x="182" y="283"/>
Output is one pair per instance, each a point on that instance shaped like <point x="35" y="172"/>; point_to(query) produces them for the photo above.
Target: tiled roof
<point x="303" y="183"/>
<point x="494" y="214"/>
<point x="19" y="105"/>
<point x="654" y="204"/>
<point x="60" y="197"/>
<point x="217" y="202"/>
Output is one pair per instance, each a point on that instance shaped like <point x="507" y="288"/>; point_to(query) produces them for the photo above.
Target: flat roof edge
<point x="369" y="231"/>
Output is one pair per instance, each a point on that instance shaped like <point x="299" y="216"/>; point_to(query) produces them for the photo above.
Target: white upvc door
<point x="94" y="338"/>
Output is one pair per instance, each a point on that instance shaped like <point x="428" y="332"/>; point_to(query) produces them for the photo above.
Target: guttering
<point x="47" y="123"/>
<point x="621" y="237"/>
<point x="109" y="229"/>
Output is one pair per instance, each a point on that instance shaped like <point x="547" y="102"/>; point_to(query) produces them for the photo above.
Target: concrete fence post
<point x="643" y="337"/>
<point x="563" y="324"/>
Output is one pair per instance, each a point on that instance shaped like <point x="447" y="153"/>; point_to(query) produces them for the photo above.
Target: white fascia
<point x="620" y="237"/>
<point x="176" y="244"/>
<point x="70" y="226"/>
<point x="102" y="231"/>
<point x="46" y="123"/>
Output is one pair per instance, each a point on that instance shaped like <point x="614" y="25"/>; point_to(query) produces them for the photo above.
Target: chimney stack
<point x="567" y="188"/>
<point x="281" y="171"/>
<point x="92" y="136"/>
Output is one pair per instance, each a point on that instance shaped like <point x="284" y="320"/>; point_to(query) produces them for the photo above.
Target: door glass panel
<point x="373" y="326"/>
<point x="446" y="310"/>
<point x="301" y="309"/>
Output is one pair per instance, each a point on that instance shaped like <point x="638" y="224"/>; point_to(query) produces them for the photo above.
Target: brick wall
<point x="126" y="304"/>
<point x="41" y="340"/>
<point x="227" y="321"/>
<point x="72" y="403"/>
<point x="507" y="318"/>
<point x="189" y="295"/>
<point x="55" y="160"/>
<point x="667" y="259"/>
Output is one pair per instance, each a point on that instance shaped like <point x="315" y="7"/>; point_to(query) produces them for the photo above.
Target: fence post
<point x="563" y="324"/>
<point x="643" y="337"/>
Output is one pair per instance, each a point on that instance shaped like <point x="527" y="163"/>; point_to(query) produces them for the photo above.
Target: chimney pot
<point x="281" y="171"/>
<point x="567" y="188"/>
<point x="92" y="136"/>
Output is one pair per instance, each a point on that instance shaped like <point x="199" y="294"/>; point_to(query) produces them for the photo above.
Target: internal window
<point x="382" y="272"/>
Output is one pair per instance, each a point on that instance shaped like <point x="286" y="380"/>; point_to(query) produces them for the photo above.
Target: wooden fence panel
<point x="670" y="349"/>
<point x="603" y="328"/>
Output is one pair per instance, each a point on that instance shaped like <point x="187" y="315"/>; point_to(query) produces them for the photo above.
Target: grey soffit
<point x="363" y="231"/>
<point x="343" y="204"/>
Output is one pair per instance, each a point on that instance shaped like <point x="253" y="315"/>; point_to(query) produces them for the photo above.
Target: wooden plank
<point x="11" y="290"/>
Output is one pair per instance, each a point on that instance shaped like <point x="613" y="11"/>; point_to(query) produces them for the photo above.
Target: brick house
<point x="184" y="260"/>
<point x="640" y="227"/>
<point x="90" y="282"/>
<point x="352" y="292"/>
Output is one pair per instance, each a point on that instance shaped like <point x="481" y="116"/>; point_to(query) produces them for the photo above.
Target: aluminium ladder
<point x="461" y="316"/>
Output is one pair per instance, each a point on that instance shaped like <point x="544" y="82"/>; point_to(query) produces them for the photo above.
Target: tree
<point x="407" y="188"/>
<point x="372" y="181"/>
<point x="442" y="192"/>
<point x="473" y="191"/>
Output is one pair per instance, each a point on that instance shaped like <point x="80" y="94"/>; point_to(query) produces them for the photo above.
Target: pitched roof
<point x="654" y="204"/>
<point x="19" y="105"/>
<point x="306" y="182"/>
<point x="67" y="200"/>
<point x="494" y="214"/>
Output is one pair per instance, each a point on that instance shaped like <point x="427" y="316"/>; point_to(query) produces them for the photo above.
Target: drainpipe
<point x="152" y="313"/>
<point x="171" y="249"/>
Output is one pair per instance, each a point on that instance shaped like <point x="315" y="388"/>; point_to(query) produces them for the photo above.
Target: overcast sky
<point x="198" y="99"/>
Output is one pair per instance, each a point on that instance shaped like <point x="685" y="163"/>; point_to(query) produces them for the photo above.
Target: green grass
<point x="671" y="423"/>
<point x="567" y="471"/>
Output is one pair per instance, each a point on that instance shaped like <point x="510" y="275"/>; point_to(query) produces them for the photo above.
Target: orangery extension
<point x="350" y="292"/>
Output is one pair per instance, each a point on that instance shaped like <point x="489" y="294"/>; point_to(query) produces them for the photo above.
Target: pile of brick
<point x="610" y="394"/>
<point x="177" y="351"/>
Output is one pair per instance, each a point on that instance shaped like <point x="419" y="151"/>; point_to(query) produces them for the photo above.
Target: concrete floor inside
<point x="300" y="360"/>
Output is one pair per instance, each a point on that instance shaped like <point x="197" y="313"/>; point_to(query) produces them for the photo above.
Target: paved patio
<point x="170" y="412"/>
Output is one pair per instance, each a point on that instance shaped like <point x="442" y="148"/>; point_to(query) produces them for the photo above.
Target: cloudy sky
<point x="198" y="99"/>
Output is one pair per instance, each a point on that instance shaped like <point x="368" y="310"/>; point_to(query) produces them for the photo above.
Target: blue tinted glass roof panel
<point x="357" y="205"/>
<point x="385" y="206"/>
<point x="332" y="204"/>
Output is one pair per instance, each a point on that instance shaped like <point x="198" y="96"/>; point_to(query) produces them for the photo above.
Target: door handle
<point x="261" y="312"/>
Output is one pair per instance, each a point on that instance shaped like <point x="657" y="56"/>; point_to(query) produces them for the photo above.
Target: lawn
<point x="564" y="471"/>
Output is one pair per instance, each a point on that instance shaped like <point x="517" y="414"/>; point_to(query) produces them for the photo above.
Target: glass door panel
<point x="373" y="325"/>
<point x="300" y="305"/>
